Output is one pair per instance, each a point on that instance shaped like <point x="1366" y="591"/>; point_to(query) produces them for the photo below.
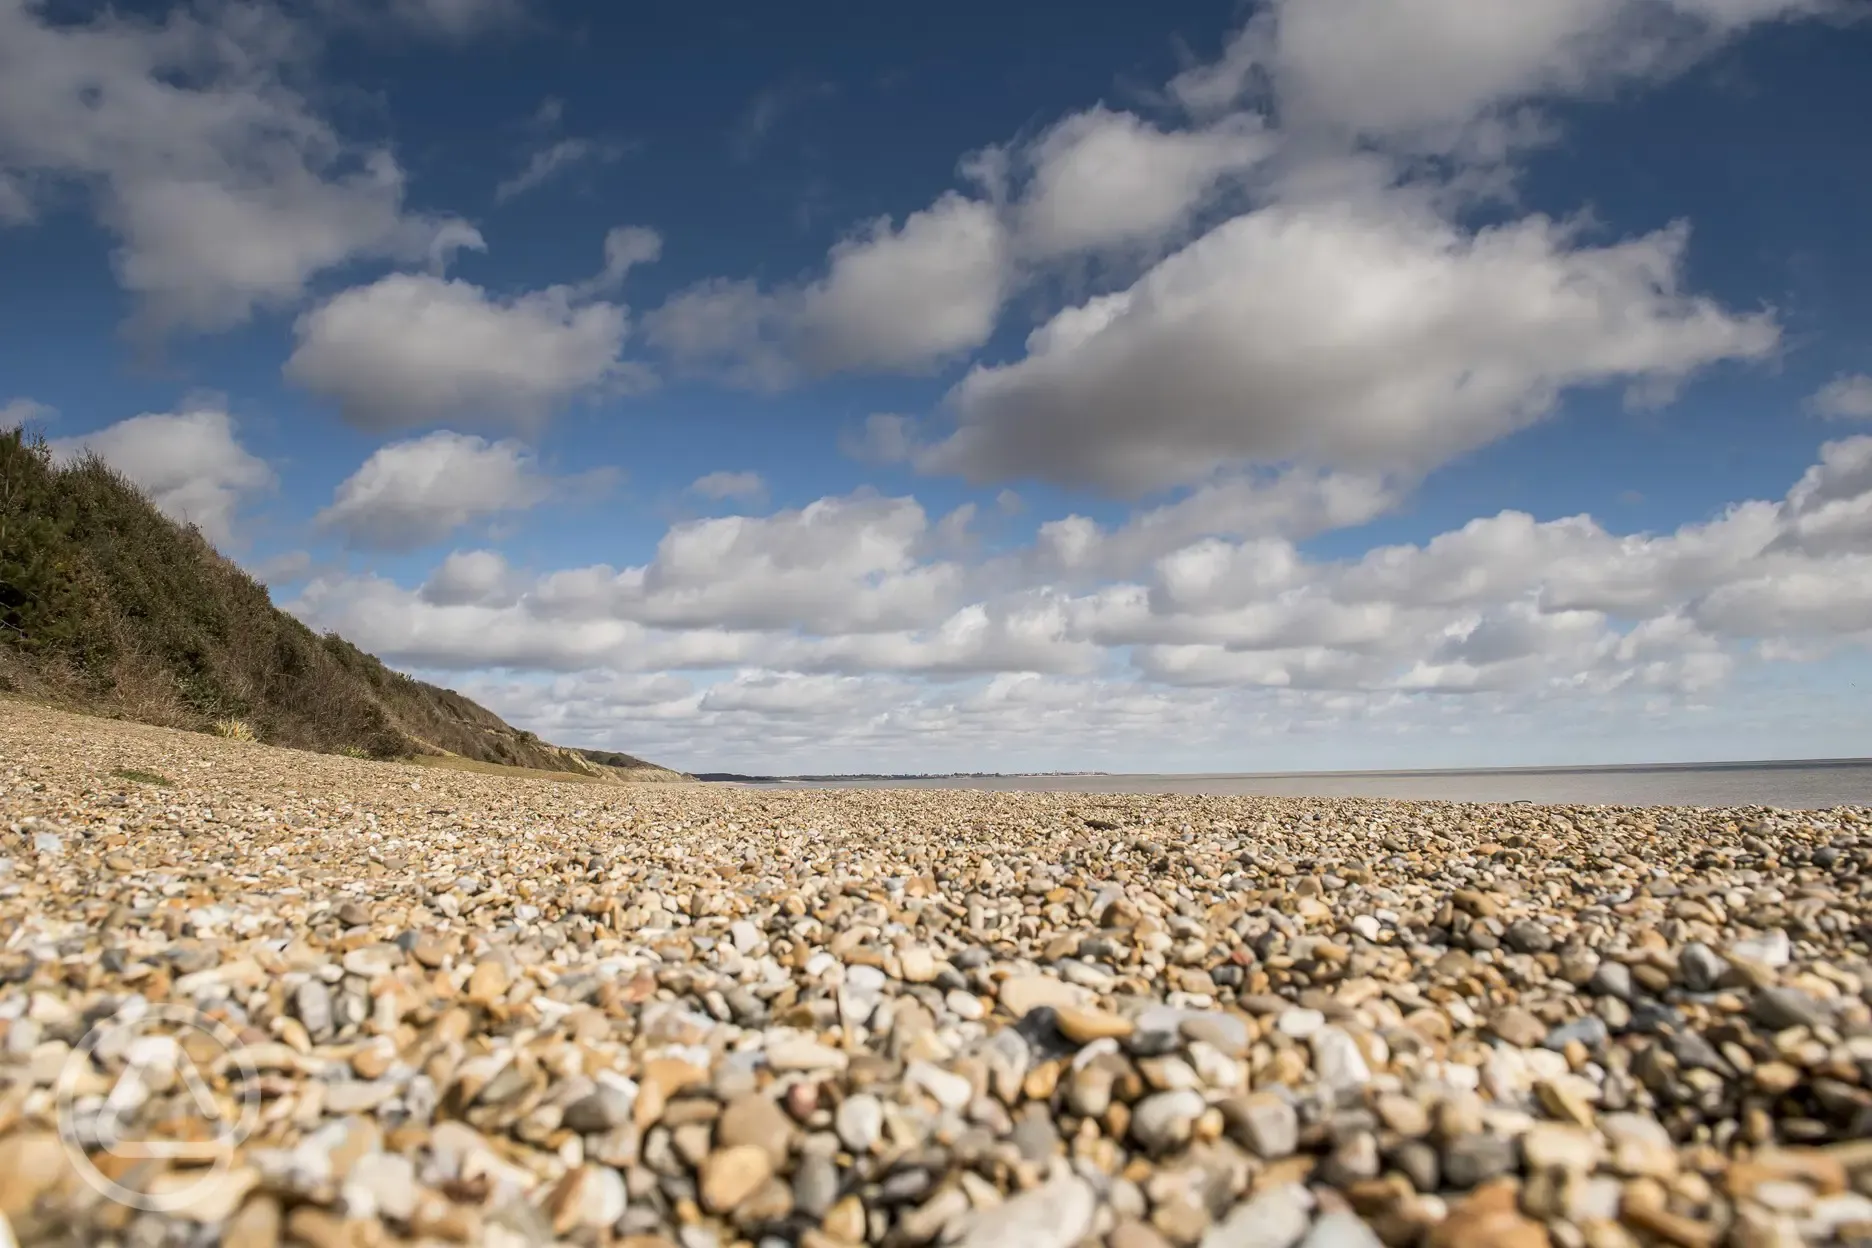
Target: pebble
<point x="1264" y="1122"/>
<point x="754" y="1119"/>
<point x="1780" y="1008"/>
<point x="1021" y="994"/>
<point x="1085" y="1026"/>
<point x="1299" y="1023"/>
<point x="499" y="1011"/>
<point x="1472" y="1160"/>
<point x="1773" y="949"/>
<point x="1276" y="1218"/>
<point x="860" y="1122"/>
<point x="1057" y="1214"/>
<point x="798" y="1054"/>
<point x="1338" y="1062"/>
<point x="1164" y="1121"/>
<point x="1341" y="1229"/>
<point x="1700" y="968"/>
<point x="731" y="1175"/>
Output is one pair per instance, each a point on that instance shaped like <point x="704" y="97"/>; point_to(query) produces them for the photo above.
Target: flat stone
<point x="1518" y="1027"/>
<point x="1471" y="1160"/>
<point x="1341" y="1229"/>
<point x="1337" y="1059"/>
<point x="1056" y="1214"/>
<point x="1700" y="968"/>
<point x="602" y="1110"/>
<point x="1019" y="994"/>
<point x="312" y="1005"/>
<point x="951" y="1091"/>
<point x="1164" y="1120"/>
<point x="1276" y="1218"/>
<point x="1640" y="1146"/>
<point x="1527" y="936"/>
<point x="1780" y="1008"/>
<point x="917" y="963"/>
<point x="1611" y="979"/>
<point x="799" y="1053"/>
<point x="1772" y="949"/>
<point x="1085" y="1026"/>
<point x="1560" y="1146"/>
<point x="731" y="1175"/>
<point x="1299" y="1023"/>
<point x="1264" y="1123"/>
<point x="755" y="1119"/>
<point x="859" y="1122"/>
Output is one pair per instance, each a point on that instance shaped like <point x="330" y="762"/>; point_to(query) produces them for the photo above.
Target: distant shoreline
<point x="1565" y="769"/>
<point x="1788" y="783"/>
<point x="731" y="777"/>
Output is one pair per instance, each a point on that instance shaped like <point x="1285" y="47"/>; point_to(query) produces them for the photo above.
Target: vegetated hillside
<point x="109" y="606"/>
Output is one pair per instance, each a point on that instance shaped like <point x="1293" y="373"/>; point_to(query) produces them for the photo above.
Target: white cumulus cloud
<point x="1338" y="335"/>
<point x="415" y="349"/>
<point x="410" y="494"/>
<point x="894" y="298"/>
<point x="1103" y="179"/>
<point x="226" y="191"/>
<point x="189" y="463"/>
<point x="1847" y="397"/>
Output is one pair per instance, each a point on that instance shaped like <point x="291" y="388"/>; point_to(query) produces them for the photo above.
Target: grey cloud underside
<point x="415" y="349"/>
<point x="1337" y="335"/>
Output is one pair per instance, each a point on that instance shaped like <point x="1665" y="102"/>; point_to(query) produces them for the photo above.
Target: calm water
<point x="1796" y="785"/>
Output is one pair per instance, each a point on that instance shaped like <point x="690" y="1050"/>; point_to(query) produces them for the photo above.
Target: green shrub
<point x="108" y="605"/>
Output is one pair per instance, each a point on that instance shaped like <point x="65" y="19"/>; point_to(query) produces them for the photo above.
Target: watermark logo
<point x="138" y="1100"/>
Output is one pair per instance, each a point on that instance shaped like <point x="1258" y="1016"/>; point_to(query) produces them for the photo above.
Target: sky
<point x="1310" y="384"/>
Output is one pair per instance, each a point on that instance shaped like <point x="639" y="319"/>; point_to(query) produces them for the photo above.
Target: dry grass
<point x="143" y="777"/>
<point x="454" y="762"/>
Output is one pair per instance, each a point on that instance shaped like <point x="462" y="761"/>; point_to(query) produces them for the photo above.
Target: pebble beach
<point x="454" y="1008"/>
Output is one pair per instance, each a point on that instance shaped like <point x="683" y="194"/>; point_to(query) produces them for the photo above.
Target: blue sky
<point x="1312" y="384"/>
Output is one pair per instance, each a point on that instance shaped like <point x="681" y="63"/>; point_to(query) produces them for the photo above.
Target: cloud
<point x="893" y="299"/>
<point x="1291" y="504"/>
<point x="413" y="349"/>
<point x="449" y="20"/>
<point x="860" y="606"/>
<point x="1846" y="397"/>
<point x="768" y="108"/>
<point x="285" y="568"/>
<point x="458" y="19"/>
<point x="739" y="486"/>
<point x="189" y="463"/>
<point x="1449" y="75"/>
<point x="226" y="191"/>
<point x="1102" y="179"/>
<point x="1367" y="337"/>
<point x="884" y="438"/>
<point x="550" y="162"/>
<point x="837" y="565"/>
<point x="471" y="577"/>
<point x="17" y="413"/>
<point x="1829" y="510"/>
<point x="625" y="247"/>
<point x="410" y="494"/>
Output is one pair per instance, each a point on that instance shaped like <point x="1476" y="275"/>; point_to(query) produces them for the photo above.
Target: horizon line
<point x="1515" y="769"/>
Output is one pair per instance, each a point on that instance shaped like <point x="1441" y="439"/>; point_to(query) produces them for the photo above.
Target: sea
<point x="1807" y="784"/>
